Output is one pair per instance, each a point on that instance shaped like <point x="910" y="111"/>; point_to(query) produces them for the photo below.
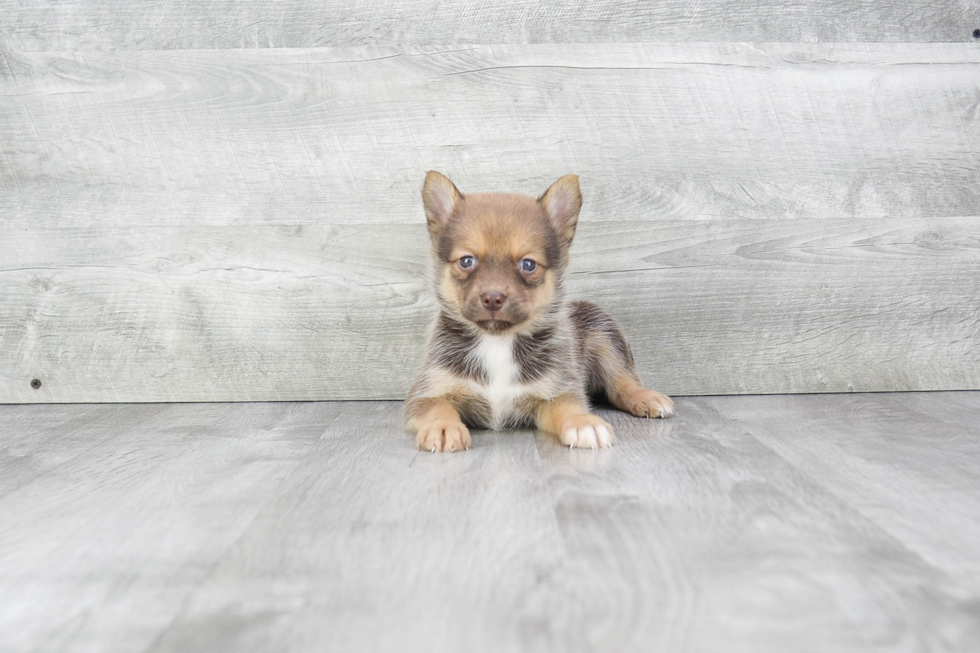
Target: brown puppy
<point x="506" y="349"/>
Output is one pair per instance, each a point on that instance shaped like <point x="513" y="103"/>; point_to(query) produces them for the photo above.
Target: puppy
<point x="507" y="350"/>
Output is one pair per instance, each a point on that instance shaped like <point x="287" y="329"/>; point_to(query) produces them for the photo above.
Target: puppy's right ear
<point x="441" y="198"/>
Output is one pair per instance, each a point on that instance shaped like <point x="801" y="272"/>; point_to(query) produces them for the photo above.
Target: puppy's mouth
<point x="494" y="325"/>
<point x="494" y="321"/>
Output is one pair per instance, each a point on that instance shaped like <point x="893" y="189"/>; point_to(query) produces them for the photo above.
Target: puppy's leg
<point x="436" y="424"/>
<point x="610" y="367"/>
<point x="628" y="395"/>
<point x="568" y="417"/>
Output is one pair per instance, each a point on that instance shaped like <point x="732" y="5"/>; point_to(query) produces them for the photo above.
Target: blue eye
<point x="528" y="265"/>
<point x="466" y="262"/>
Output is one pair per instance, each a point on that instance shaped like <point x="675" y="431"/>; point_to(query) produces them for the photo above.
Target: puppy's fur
<point x="507" y="349"/>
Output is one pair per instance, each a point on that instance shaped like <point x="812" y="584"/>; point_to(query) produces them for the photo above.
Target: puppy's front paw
<point x="586" y="431"/>
<point x="648" y="403"/>
<point x="443" y="435"/>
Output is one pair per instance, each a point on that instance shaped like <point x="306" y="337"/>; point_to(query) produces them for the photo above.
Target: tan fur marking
<point x="543" y="295"/>
<point x="628" y="395"/>
<point x="449" y="289"/>
<point x="443" y="382"/>
<point x="437" y="426"/>
<point x="569" y="419"/>
<point x="551" y="415"/>
<point x="614" y="368"/>
<point x="501" y="225"/>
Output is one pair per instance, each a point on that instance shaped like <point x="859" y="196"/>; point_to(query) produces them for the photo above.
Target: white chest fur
<point x="496" y="356"/>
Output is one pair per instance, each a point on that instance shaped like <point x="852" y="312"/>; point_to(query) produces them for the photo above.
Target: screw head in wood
<point x="36" y="383"/>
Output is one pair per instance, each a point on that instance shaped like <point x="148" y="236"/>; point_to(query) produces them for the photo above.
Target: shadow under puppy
<point x="507" y="350"/>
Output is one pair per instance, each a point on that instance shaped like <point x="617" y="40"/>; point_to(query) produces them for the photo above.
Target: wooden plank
<point x="167" y="24"/>
<point x="339" y="312"/>
<point x="206" y="225"/>
<point x="744" y="523"/>
<point x="693" y="535"/>
<point x="825" y="306"/>
<point x="35" y="440"/>
<point x="212" y="314"/>
<point x="679" y="131"/>
<point x="375" y="546"/>
<point x="906" y="462"/>
<point x="100" y="552"/>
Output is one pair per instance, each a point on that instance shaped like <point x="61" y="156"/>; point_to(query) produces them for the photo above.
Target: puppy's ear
<point x="562" y="203"/>
<point x="440" y="198"/>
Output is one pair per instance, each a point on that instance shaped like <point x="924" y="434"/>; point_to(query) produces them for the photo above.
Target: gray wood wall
<point x="221" y="202"/>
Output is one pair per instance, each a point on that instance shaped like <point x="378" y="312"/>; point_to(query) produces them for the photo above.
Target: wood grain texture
<point x="219" y="225"/>
<point x="344" y="135"/>
<point x="169" y="24"/>
<point x="851" y="443"/>
<point x="470" y="566"/>
<point x="722" y="543"/>
<point x="338" y="312"/>
<point x="756" y="524"/>
<point x="32" y="443"/>
<point x="139" y="517"/>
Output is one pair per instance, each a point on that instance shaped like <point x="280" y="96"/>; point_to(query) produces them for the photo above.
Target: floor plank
<point x="807" y="522"/>
<point x="375" y="543"/>
<point x="909" y="463"/>
<point x="693" y="535"/>
<point x="102" y="549"/>
<point x="35" y="441"/>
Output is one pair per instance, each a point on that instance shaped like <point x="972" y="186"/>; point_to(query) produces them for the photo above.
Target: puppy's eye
<point x="528" y="265"/>
<point x="466" y="262"/>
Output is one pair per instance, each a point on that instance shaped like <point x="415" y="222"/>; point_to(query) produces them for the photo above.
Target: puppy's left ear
<point x="562" y="203"/>
<point x="441" y="199"/>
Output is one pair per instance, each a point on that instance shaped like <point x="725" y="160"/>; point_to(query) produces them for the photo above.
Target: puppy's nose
<point x="493" y="300"/>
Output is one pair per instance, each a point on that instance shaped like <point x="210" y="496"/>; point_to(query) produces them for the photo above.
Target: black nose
<point x="493" y="300"/>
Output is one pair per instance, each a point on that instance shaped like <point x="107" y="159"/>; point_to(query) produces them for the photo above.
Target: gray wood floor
<point x="776" y="523"/>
